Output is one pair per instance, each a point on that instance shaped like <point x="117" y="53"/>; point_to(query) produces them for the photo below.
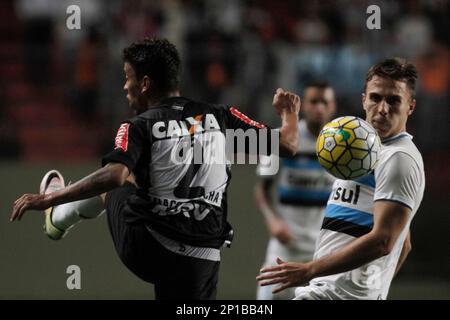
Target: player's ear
<point x="333" y="108"/>
<point x="412" y="106"/>
<point x="363" y="99"/>
<point x="145" y="84"/>
<point x="332" y="103"/>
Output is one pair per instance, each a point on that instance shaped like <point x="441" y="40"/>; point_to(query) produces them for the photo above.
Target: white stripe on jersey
<point x="183" y="249"/>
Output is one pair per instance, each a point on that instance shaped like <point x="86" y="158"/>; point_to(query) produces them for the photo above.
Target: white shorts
<point x="318" y="291"/>
<point x="287" y="253"/>
<point x="290" y="253"/>
<point x="326" y="290"/>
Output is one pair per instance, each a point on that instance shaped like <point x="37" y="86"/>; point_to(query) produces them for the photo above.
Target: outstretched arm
<point x="390" y="218"/>
<point x="275" y="225"/>
<point x="287" y="105"/>
<point x="105" y="179"/>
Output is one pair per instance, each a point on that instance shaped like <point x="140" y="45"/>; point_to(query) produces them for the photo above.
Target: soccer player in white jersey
<point x="365" y="237"/>
<point x="294" y="216"/>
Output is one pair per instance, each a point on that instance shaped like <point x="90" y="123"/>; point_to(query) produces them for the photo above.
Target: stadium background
<point x="61" y="100"/>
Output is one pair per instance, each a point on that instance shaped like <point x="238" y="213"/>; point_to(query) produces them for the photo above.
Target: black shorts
<point x="174" y="276"/>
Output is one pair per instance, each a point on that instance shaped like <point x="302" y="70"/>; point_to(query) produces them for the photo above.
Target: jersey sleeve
<point x="236" y="121"/>
<point x="398" y="179"/>
<point x="128" y="146"/>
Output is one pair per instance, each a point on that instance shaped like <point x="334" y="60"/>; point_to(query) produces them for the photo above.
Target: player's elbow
<point x="120" y="180"/>
<point x="384" y="244"/>
<point x="288" y="143"/>
<point x="291" y="150"/>
<point x="384" y="249"/>
<point x="122" y="176"/>
<point x="118" y="174"/>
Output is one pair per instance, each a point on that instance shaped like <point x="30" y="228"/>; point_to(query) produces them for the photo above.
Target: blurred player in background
<point x="167" y="218"/>
<point x="365" y="235"/>
<point x="303" y="187"/>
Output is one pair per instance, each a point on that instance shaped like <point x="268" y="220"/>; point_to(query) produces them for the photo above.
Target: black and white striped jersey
<point x="178" y="153"/>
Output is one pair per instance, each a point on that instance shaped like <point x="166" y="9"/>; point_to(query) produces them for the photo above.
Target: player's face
<point x="387" y="103"/>
<point x="132" y="87"/>
<point x="318" y="105"/>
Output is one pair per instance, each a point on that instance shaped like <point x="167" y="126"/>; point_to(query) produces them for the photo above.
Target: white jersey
<point x="398" y="177"/>
<point x="303" y="188"/>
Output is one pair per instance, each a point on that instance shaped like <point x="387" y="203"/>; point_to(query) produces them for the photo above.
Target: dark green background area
<point x="34" y="267"/>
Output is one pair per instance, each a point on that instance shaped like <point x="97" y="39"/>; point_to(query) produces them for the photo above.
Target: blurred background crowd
<point x="61" y="91"/>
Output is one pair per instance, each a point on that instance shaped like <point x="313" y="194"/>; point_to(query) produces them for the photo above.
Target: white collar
<point x="396" y="137"/>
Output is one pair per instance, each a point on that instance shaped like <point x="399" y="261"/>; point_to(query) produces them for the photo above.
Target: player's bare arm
<point x="275" y="225"/>
<point x="107" y="178"/>
<point x="390" y="219"/>
<point x="287" y="105"/>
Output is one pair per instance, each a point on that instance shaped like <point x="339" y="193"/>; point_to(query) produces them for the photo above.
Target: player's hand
<point x="287" y="274"/>
<point x="29" y="202"/>
<point x="285" y="101"/>
<point x="280" y="230"/>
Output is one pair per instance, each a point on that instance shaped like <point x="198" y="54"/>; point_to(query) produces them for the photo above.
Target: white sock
<point x="66" y="215"/>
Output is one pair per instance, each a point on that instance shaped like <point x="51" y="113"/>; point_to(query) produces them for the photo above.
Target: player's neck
<point x="394" y="134"/>
<point x="154" y="101"/>
<point x="313" y="128"/>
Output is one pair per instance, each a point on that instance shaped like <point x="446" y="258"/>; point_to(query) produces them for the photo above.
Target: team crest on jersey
<point x="121" y="141"/>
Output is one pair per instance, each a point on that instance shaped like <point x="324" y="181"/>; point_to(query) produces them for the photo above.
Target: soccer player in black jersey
<point x="165" y="196"/>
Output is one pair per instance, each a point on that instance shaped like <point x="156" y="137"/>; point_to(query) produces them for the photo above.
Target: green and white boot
<point x="51" y="182"/>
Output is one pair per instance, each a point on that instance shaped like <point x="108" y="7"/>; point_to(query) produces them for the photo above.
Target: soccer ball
<point x="348" y="147"/>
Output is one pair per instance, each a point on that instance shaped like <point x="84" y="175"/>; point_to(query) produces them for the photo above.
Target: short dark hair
<point x="156" y="58"/>
<point x="321" y="84"/>
<point x="398" y="69"/>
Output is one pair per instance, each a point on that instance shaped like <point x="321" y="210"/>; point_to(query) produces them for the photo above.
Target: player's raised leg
<point x="59" y="219"/>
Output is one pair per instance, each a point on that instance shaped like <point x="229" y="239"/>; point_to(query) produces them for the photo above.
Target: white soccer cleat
<point x="51" y="182"/>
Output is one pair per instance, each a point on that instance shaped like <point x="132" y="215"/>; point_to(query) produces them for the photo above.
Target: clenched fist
<point x="285" y="101"/>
